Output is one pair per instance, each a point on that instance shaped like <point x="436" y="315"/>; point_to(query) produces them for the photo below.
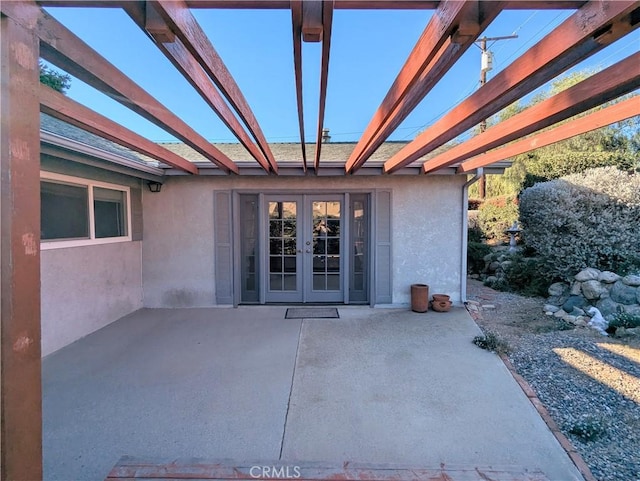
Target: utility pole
<point x="486" y="64"/>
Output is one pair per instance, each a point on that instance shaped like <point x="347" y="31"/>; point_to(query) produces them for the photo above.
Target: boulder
<point x="558" y="300"/>
<point x="559" y="314"/>
<point x="490" y="280"/>
<point x="576" y="289"/>
<point x="489" y="258"/>
<point x="506" y="264"/>
<point x="631" y="280"/>
<point x="633" y="310"/>
<point x="588" y="274"/>
<point x="550" y="308"/>
<point x="577" y="312"/>
<point x="582" y="321"/>
<point x="608" y="308"/>
<point x="573" y="302"/>
<point x="494" y="266"/>
<point x="557" y="289"/>
<point x="592" y="289"/>
<point x="570" y="319"/>
<point x="608" y="277"/>
<point x="623" y="294"/>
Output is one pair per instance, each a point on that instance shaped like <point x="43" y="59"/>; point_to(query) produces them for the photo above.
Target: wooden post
<point x="21" y="392"/>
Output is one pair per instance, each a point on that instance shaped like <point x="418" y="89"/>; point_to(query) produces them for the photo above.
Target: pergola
<point x="30" y="33"/>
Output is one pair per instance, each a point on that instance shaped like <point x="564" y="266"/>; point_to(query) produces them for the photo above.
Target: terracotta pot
<point x="441" y="306"/>
<point x="419" y="297"/>
<point x="441" y="297"/>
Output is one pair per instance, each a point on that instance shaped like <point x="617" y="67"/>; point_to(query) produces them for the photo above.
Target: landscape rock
<point x="581" y="321"/>
<point x="577" y="312"/>
<point x="631" y="280"/>
<point x="506" y="264"/>
<point x="608" y="308"/>
<point x="559" y="314"/>
<point x="588" y="274"/>
<point x="608" y="277"/>
<point x="576" y="288"/>
<point x="494" y="266"/>
<point x="633" y="310"/>
<point x="573" y="302"/>
<point x="623" y="293"/>
<point x="491" y="279"/>
<point x="570" y="319"/>
<point x="557" y="289"/>
<point x="634" y="331"/>
<point x="489" y="258"/>
<point x="558" y="300"/>
<point x="550" y="308"/>
<point x="593" y="289"/>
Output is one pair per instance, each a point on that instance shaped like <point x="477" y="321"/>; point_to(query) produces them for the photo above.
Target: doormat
<point x="312" y="313"/>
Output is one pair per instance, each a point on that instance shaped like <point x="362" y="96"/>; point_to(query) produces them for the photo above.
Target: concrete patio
<point x="375" y="386"/>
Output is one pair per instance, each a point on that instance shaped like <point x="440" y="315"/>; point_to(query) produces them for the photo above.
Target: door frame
<point x="236" y="232"/>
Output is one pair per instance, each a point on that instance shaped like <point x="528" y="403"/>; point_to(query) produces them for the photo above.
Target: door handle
<point x="299" y="251"/>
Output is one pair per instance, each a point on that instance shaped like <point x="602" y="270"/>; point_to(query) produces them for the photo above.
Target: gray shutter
<point x="223" y="255"/>
<point x="136" y="214"/>
<point x="383" y="278"/>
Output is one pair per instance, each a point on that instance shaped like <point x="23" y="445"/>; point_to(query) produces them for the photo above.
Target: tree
<point x="615" y="145"/>
<point x="54" y="79"/>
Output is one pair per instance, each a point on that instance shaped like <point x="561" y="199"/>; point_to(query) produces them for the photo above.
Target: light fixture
<point x="154" y="186"/>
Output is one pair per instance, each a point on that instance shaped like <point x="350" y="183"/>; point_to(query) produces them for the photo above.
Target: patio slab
<point x="375" y="386"/>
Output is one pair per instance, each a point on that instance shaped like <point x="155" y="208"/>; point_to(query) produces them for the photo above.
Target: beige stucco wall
<point x="85" y="288"/>
<point x="178" y="251"/>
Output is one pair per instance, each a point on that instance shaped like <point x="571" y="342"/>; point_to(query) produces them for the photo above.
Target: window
<point x="78" y="211"/>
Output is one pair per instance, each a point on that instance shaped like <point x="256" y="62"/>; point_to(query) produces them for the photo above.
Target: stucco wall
<point x="86" y="288"/>
<point x="178" y="259"/>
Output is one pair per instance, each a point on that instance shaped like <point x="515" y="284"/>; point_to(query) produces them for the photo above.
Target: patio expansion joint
<point x="293" y="377"/>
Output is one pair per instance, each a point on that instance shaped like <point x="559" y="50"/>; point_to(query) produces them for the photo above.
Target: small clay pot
<point x="441" y="306"/>
<point x="441" y="297"/>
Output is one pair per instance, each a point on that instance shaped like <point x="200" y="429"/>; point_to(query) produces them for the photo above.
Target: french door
<point x="304" y="250"/>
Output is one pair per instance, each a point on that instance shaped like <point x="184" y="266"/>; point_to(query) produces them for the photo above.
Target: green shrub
<point x="588" y="428"/>
<point x="475" y="256"/>
<point x="527" y="276"/>
<point x="623" y="319"/>
<point x="474" y="234"/>
<point x="584" y="220"/>
<point x="496" y="215"/>
<point x="491" y="342"/>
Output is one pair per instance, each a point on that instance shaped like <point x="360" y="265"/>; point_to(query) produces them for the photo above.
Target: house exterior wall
<point x="178" y="254"/>
<point x="85" y="288"/>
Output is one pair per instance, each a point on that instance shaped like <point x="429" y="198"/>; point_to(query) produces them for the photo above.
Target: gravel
<point x="601" y="417"/>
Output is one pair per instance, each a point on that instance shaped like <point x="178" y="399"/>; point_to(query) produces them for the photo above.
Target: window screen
<point x="64" y="212"/>
<point x="110" y="211"/>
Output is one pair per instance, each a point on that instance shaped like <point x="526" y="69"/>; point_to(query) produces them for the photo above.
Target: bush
<point x="623" y="319"/>
<point x="496" y="215"/>
<point x="527" y="276"/>
<point x="474" y="204"/>
<point x="475" y="256"/>
<point x="491" y="342"/>
<point x="474" y="234"/>
<point x="584" y="220"/>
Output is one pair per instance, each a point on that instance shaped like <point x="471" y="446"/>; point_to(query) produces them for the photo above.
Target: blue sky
<point x="368" y="50"/>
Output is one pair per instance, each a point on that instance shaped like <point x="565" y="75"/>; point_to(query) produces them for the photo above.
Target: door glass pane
<point x="358" y="247"/>
<point x="326" y="245"/>
<point x="249" y="235"/>
<point x="282" y="246"/>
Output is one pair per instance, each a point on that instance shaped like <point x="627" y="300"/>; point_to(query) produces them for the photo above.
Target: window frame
<point x="46" y="244"/>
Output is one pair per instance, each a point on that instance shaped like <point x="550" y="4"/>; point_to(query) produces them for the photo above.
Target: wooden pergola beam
<point x="609" y="115"/>
<point x="182" y="22"/>
<point x="296" y="21"/>
<point x="64" y="49"/>
<point x="617" y="80"/>
<point x="20" y="375"/>
<point x="327" y="21"/>
<point x="185" y="63"/>
<point x="451" y="31"/>
<point x="63" y="108"/>
<point x="338" y="5"/>
<point x="587" y="31"/>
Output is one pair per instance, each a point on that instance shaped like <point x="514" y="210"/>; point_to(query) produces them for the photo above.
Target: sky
<point x="368" y="49"/>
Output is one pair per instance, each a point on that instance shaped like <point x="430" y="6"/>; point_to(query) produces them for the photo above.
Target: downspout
<point x="465" y="233"/>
